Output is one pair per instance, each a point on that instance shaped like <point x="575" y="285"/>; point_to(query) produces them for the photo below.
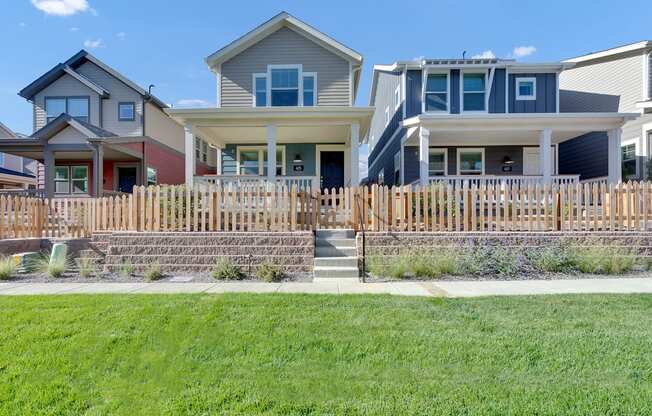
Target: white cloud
<point x="193" y="102"/>
<point x="73" y="29"/>
<point x="521" y="51"/>
<point x="488" y="54"/>
<point x="93" y="43"/>
<point x="121" y="35"/>
<point x="22" y="24"/>
<point x="62" y="7"/>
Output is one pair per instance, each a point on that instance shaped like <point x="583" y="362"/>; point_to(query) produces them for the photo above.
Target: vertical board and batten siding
<point x="65" y="86"/>
<point x="413" y="91"/>
<point x="285" y="47"/>
<point x="586" y="155"/>
<point x="546" y="100"/>
<point x="497" y="93"/>
<point x="118" y="92"/>
<point x="455" y="106"/>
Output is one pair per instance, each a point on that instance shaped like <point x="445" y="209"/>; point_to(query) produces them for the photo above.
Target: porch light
<point x="298" y="159"/>
<point x="507" y="161"/>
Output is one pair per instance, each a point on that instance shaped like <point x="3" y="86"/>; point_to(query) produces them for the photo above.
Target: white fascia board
<point x="611" y="52"/>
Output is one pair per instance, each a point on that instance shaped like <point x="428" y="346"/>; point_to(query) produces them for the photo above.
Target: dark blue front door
<point x="127" y="179"/>
<point x="332" y="170"/>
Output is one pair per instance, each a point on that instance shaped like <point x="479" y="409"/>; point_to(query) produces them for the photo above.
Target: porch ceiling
<point x="285" y="134"/>
<point x="486" y="137"/>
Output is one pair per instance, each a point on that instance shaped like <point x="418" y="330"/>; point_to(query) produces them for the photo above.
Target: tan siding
<point x="160" y="127"/>
<point x="5" y="133"/>
<point x="65" y="86"/>
<point x="285" y="47"/>
<point x="606" y="85"/>
<point x="69" y="135"/>
<point x="119" y="92"/>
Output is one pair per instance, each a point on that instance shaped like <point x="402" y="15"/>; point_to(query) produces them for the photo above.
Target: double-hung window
<point x="201" y="150"/>
<point x="470" y="161"/>
<point x="628" y="156"/>
<point x="309" y="80"/>
<point x="285" y="87"/>
<point x="71" y="179"/>
<point x="437" y="160"/>
<point x="260" y="86"/>
<point x="473" y="86"/>
<point x="76" y="107"/>
<point x="526" y="88"/>
<point x="437" y="92"/>
<point x="252" y="160"/>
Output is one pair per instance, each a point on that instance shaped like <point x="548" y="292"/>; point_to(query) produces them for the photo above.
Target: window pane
<point x="285" y="78"/>
<point x="127" y="111"/>
<point x="308" y="83"/>
<point x="61" y="187"/>
<point x="55" y="107"/>
<point x="61" y="173"/>
<point x="308" y="98"/>
<point x="436" y="163"/>
<point x="261" y="92"/>
<point x="151" y="176"/>
<point x="261" y="84"/>
<point x="279" y="162"/>
<point x="285" y="98"/>
<point x="474" y="101"/>
<point x="437" y="83"/>
<point x="249" y="162"/>
<point x="629" y="152"/>
<point x="261" y="99"/>
<point x="80" y="172"/>
<point x="526" y="88"/>
<point x="436" y="101"/>
<point x="470" y="161"/>
<point x="78" y="108"/>
<point x="473" y="82"/>
<point x="79" y="186"/>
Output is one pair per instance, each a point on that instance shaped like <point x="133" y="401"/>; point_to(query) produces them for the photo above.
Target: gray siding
<point x="387" y="83"/>
<point x="649" y="75"/>
<point x="65" y="86"/>
<point x="546" y="101"/>
<point x="497" y="93"/>
<point x="586" y="155"/>
<point x="285" y="46"/>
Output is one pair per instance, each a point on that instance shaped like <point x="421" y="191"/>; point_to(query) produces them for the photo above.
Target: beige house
<point x="16" y="172"/>
<point x="285" y="95"/>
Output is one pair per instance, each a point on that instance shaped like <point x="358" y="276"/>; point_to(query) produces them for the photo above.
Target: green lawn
<point x="300" y="354"/>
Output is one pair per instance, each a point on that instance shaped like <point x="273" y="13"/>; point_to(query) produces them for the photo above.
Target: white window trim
<point x="254" y="76"/>
<point x="520" y="97"/>
<point x="261" y="160"/>
<point x="381" y="176"/>
<point x="461" y="150"/>
<point x="71" y="180"/>
<point x="386" y="116"/>
<point x="298" y="67"/>
<point x="397" y="97"/>
<point x="397" y="166"/>
<point x="443" y="150"/>
<point x="637" y="151"/>
<point x="314" y="87"/>
<point x="486" y="77"/>
<point x="448" y="92"/>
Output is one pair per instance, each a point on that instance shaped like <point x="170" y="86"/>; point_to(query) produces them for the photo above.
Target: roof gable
<point x="6" y="132"/>
<point x="277" y="22"/>
<point x="64" y="121"/>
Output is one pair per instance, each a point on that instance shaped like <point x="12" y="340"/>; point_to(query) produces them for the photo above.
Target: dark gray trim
<point x="142" y="118"/>
<point x="101" y="115"/>
<point x="65" y="98"/>
<point x="133" y="114"/>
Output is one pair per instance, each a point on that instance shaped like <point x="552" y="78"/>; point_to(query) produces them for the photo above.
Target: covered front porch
<point x="491" y="148"/>
<point x="314" y="147"/>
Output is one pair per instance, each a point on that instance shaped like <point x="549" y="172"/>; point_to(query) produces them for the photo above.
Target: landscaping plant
<point x="7" y="268"/>
<point x="126" y="269"/>
<point x="224" y="269"/>
<point x="86" y="267"/>
<point x="153" y="272"/>
<point x="269" y="272"/>
<point x="52" y="267"/>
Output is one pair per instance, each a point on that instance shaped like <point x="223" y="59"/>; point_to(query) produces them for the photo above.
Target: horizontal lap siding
<point x="285" y="47"/>
<point x="546" y="100"/>
<point x="65" y="86"/>
<point x="586" y="155"/>
<point x="378" y="159"/>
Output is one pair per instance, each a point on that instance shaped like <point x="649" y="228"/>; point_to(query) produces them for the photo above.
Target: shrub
<point x="7" y="268"/>
<point x="375" y="265"/>
<point x="224" y="269"/>
<point x="86" y="267"/>
<point x="603" y="260"/>
<point x="554" y="259"/>
<point x="424" y="265"/>
<point x="52" y="268"/>
<point x="126" y="269"/>
<point x="505" y="262"/>
<point x="399" y="267"/>
<point x="269" y="272"/>
<point x="153" y="272"/>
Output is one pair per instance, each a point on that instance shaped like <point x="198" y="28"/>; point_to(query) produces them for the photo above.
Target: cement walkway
<point x="428" y="289"/>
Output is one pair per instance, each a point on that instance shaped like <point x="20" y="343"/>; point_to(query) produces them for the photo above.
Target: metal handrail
<point x="364" y="237"/>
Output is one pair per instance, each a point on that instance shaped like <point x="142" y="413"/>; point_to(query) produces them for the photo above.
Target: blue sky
<point x="164" y="42"/>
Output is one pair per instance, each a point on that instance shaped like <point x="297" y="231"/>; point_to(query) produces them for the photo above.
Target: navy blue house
<point x="453" y="119"/>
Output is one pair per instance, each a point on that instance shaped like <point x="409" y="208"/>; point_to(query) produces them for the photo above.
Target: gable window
<point x="76" y="107"/>
<point x="126" y="111"/>
<point x="397" y="168"/>
<point x="437" y="92"/>
<point x="437" y="161"/>
<point x="285" y="87"/>
<point x="252" y="160"/>
<point x="71" y="179"/>
<point x="473" y="90"/>
<point x="628" y="156"/>
<point x="526" y="88"/>
<point x="470" y="161"/>
<point x="309" y="89"/>
<point x="260" y="86"/>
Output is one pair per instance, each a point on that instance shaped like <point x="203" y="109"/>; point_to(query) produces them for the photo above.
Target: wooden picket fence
<point x="437" y="207"/>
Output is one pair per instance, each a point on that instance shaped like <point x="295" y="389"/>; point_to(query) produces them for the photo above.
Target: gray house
<point x="285" y="99"/>
<point x="614" y="80"/>
<point x="481" y="119"/>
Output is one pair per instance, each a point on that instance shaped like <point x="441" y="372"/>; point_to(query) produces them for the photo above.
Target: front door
<point x="127" y="178"/>
<point x="531" y="160"/>
<point x="332" y="169"/>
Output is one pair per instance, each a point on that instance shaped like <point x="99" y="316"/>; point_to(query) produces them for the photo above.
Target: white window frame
<point x="484" y="101"/>
<point x="397" y="97"/>
<point x="635" y="141"/>
<point x="381" y="176"/>
<point x="448" y="92"/>
<point x="386" y="116"/>
<point x="314" y="87"/>
<point x="261" y="161"/>
<point x="442" y="150"/>
<point x="461" y="150"/>
<point x="520" y="97"/>
<point x="70" y="180"/>
<point x="254" y="76"/>
<point x="397" y="166"/>
<point x="299" y="69"/>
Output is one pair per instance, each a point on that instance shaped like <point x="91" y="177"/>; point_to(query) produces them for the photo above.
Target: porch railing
<point x="229" y="180"/>
<point x="502" y="180"/>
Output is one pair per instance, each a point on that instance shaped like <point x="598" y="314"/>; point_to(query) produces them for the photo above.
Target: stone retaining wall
<point x="22" y="245"/>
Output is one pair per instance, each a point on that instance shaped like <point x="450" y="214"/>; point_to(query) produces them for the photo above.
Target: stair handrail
<point x="362" y="229"/>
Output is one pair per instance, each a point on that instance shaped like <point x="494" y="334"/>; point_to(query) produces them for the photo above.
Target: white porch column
<point x="48" y="163"/>
<point x="218" y="160"/>
<point x="614" y="163"/>
<point x="189" y="136"/>
<point x="271" y="153"/>
<point x="545" y="159"/>
<point x="424" y="142"/>
<point x="355" y="157"/>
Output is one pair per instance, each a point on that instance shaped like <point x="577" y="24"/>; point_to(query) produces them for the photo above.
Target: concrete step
<point x="335" y="242"/>
<point x="335" y="234"/>
<point x="336" y="261"/>
<point x="335" y="280"/>
<point x="330" y="251"/>
<point x="336" y="272"/>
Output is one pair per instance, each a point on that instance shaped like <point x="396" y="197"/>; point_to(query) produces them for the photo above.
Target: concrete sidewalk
<point x="427" y="289"/>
